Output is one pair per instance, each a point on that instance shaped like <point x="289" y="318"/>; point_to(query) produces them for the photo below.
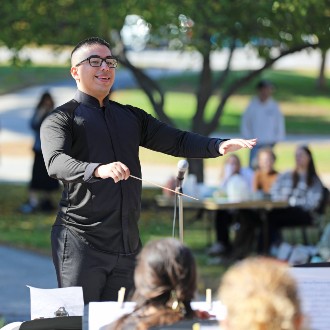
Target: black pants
<point x="286" y="217"/>
<point x="247" y="221"/>
<point x="100" y="274"/>
<point x="223" y="220"/>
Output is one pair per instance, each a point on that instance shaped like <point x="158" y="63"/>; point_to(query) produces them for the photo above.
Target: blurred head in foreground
<point x="165" y="284"/>
<point x="260" y="294"/>
<point x="164" y="267"/>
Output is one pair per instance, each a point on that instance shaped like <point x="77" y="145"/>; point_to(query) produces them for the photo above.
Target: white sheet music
<point x="45" y="302"/>
<point x="102" y="313"/>
<point x="314" y="289"/>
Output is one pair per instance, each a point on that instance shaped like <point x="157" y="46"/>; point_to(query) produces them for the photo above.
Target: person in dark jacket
<point x="41" y="185"/>
<point x="91" y="144"/>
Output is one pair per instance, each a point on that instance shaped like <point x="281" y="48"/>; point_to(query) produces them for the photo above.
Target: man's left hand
<point x="236" y="144"/>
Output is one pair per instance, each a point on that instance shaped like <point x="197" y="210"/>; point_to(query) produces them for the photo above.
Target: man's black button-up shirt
<point x="79" y="136"/>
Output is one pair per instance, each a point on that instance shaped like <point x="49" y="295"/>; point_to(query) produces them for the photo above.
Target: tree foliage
<point x="274" y="28"/>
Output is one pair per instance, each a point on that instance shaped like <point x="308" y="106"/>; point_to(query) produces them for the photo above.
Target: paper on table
<point x="314" y="288"/>
<point x="102" y="313"/>
<point x="217" y="308"/>
<point x="45" y="302"/>
<point x="12" y="326"/>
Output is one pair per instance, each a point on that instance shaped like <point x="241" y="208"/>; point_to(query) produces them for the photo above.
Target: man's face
<point x="265" y="93"/>
<point x="94" y="81"/>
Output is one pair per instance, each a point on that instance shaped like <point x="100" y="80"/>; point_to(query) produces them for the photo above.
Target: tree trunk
<point x="321" y="81"/>
<point x="196" y="167"/>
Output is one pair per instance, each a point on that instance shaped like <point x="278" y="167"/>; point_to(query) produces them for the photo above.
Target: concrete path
<point x="19" y="268"/>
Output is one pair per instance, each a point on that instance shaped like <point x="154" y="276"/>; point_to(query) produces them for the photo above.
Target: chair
<point x="319" y="217"/>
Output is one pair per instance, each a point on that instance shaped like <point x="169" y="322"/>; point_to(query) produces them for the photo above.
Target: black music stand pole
<point x="180" y="207"/>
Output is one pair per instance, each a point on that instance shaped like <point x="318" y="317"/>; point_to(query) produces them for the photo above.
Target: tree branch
<point x="238" y="83"/>
<point x="225" y="73"/>
<point x="150" y="87"/>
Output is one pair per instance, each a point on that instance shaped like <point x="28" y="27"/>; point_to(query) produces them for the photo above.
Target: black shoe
<point x="46" y="206"/>
<point x="221" y="260"/>
<point x="218" y="249"/>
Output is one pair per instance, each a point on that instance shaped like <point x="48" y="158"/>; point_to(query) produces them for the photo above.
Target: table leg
<point x="210" y="225"/>
<point x="265" y="226"/>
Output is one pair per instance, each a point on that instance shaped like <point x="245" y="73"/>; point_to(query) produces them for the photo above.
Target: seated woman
<point x="259" y="293"/>
<point x="265" y="174"/>
<point x="165" y="282"/>
<point x="303" y="190"/>
<point x="236" y="185"/>
<point x="263" y="179"/>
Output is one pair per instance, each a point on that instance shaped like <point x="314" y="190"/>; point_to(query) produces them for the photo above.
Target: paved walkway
<point x="18" y="269"/>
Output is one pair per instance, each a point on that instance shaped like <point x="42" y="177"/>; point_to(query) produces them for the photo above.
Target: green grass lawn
<point x="16" y="77"/>
<point x="301" y="116"/>
<point x="32" y="231"/>
<point x="306" y="110"/>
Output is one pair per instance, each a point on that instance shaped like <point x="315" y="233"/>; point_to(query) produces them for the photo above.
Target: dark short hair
<point x="264" y="83"/>
<point x="90" y="41"/>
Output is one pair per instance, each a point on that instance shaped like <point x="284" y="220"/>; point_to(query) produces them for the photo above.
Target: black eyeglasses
<point x="96" y="61"/>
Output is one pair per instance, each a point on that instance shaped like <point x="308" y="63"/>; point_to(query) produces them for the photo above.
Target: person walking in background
<point x="92" y="145"/>
<point x="41" y="186"/>
<point x="260" y="293"/>
<point x="263" y="119"/>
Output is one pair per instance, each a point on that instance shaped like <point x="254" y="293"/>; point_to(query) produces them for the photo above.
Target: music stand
<point x="180" y="207"/>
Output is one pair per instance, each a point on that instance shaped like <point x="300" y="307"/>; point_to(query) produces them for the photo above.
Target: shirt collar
<point x="82" y="97"/>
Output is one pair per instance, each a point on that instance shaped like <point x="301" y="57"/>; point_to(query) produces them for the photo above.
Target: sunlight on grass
<point x="302" y="114"/>
<point x="284" y="152"/>
<point x="13" y="78"/>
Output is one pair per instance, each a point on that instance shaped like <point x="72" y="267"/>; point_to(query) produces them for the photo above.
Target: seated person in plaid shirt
<point x="302" y="188"/>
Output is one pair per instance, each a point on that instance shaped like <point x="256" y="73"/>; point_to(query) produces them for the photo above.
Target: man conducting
<point x="92" y="145"/>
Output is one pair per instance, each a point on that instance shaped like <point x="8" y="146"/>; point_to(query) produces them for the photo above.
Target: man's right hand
<point x="117" y="171"/>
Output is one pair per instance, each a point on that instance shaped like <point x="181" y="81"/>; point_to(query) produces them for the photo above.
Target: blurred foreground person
<point x="260" y="294"/>
<point x="165" y="282"/>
